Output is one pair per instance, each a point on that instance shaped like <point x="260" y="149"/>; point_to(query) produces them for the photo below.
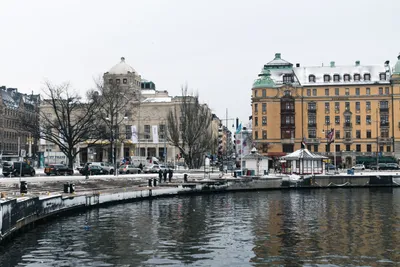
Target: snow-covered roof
<point x="303" y="74"/>
<point x="157" y="99"/>
<point x="302" y="154"/>
<point x="122" y="68"/>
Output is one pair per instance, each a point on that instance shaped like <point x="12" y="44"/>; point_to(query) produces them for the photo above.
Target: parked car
<point x="107" y="167"/>
<point x="128" y="169"/>
<point x="330" y="167"/>
<point x="92" y="170"/>
<point x="58" y="169"/>
<point x="154" y="168"/>
<point x="392" y="166"/>
<point x="381" y="166"/>
<point x="15" y="168"/>
<point x="359" y="167"/>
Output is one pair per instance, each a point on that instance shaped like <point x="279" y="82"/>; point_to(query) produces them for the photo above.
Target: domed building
<point x="123" y="74"/>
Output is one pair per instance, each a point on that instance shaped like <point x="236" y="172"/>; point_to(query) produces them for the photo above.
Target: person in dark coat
<point x="160" y="174"/>
<point x="141" y="167"/>
<point x="165" y="175"/>
<point x="170" y="174"/>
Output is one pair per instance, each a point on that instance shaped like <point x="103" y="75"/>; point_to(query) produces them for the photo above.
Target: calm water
<point x="338" y="227"/>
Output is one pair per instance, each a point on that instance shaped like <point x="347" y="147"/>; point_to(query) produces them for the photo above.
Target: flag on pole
<point x="239" y="128"/>
<point x="155" y="134"/>
<point x="331" y="136"/>
<point x="303" y="143"/>
<point x="134" y="134"/>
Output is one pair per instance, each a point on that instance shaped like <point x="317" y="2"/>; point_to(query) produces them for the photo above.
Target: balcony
<point x="287" y="110"/>
<point x="384" y="124"/>
<point x="287" y="140"/>
<point x="348" y="140"/>
<point x="312" y="141"/>
<point x="347" y="125"/>
<point x="312" y="125"/>
<point x="287" y="125"/>
<point x="384" y="109"/>
<point x="384" y="140"/>
<point x="312" y="110"/>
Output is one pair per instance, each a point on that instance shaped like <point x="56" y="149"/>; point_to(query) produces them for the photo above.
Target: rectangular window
<point x="327" y="120"/>
<point x="368" y="120"/>
<point x="147" y="132"/>
<point x="369" y="148"/>
<point x="337" y="106"/>
<point x="380" y="90"/>
<point x="337" y="148"/>
<point x="309" y="147"/>
<point x="384" y="133"/>
<point x="357" y="91"/>
<point x="358" y="148"/>
<point x="264" y="120"/>
<point x="264" y="107"/>
<point x="256" y="135"/>
<point x="380" y="148"/>
<point x="264" y="135"/>
<point x="312" y="134"/>
<point x="368" y="105"/>
<point x="347" y="91"/>
<point x="314" y="92"/>
<point x="118" y="81"/>
<point x="315" y="148"/>
<point x="255" y="107"/>
<point x="388" y="149"/>
<point x="308" y="92"/>
<point x="348" y="147"/>
<point x="358" y="119"/>
<point x="357" y="106"/>
<point x="367" y="91"/>
<point x="255" y="121"/>
<point x="358" y="134"/>
<point x="327" y="107"/>
<point x="328" y="148"/>
<point x="128" y="132"/>
<point x="336" y="91"/>
<point x="347" y="105"/>
<point x="162" y="132"/>
<point x="110" y="81"/>
<point x="255" y="93"/>
<point x="368" y="133"/>
<point x="386" y="90"/>
<point x="347" y="134"/>
<point x="287" y="148"/>
<point x="264" y="93"/>
<point x="337" y="120"/>
<point x="312" y="121"/>
<point x="327" y="91"/>
<point x="287" y="134"/>
<point x="124" y="81"/>
<point x="337" y="134"/>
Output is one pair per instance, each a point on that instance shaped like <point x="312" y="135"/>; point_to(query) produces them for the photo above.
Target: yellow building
<point x="359" y="103"/>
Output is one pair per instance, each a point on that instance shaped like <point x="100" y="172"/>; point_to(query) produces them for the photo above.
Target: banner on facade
<point x="134" y="134"/>
<point x="155" y="134"/>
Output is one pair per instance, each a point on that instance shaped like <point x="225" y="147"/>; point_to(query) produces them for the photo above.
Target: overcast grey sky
<point x="216" y="46"/>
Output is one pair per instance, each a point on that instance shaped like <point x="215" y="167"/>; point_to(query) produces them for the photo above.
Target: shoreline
<point x="22" y="211"/>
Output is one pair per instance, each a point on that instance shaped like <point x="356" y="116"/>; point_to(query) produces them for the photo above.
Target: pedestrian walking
<point x="165" y="175"/>
<point x="160" y="174"/>
<point x="170" y="174"/>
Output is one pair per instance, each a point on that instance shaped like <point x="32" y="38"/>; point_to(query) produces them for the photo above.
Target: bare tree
<point x="64" y="120"/>
<point x="113" y="108"/>
<point x="189" y="129"/>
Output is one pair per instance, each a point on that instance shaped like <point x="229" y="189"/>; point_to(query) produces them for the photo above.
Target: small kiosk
<point x="303" y="162"/>
<point x="254" y="164"/>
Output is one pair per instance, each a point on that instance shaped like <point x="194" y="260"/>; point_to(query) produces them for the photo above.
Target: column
<point x="121" y="152"/>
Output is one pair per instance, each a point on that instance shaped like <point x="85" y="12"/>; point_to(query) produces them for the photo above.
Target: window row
<point x="359" y="148"/>
<point x="383" y="106"/>
<point x="383" y="120"/>
<point x="264" y="107"/>
<point x="263" y="122"/>
<point x="147" y="132"/>
<point x="381" y="91"/>
<point x="346" y="77"/>
<point x="384" y="133"/>
<point x="8" y="147"/>
<point x="263" y="136"/>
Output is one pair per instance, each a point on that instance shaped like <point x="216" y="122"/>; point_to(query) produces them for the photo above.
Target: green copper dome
<point x="264" y="79"/>
<point x="396" y="69"/>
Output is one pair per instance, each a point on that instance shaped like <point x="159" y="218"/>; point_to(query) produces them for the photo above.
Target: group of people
<point x="164" y="174"/>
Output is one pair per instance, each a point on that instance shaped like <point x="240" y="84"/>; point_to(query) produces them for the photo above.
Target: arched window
<point x="346" y="78"/>
<point x="327" y="78"/>
<point x="367" y="77"/>
<point x="311" y="78"/>
<point x="357" y="77"/>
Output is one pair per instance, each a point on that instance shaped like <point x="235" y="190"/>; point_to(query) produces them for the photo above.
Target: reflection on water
<point x="338" y="227"/>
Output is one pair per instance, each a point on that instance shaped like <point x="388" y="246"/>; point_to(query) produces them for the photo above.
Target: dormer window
<point x="110" y="81"/>
<point x="287" y="78"/>
<point x="357" y="77"/>
<point x="382" y="76"/>
<point x="327" y="78"/>
<point x="336" y="78"/>
<point x="367" y="77"/>
<point x="311" y="78"/>
<point x="346" y="78"/>
<point x="118" y="81"/>
<point x="124" y="81"/>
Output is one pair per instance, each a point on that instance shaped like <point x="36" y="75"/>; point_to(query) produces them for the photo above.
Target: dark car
<point x="58" y="169"/>
<point x="92" y="170"/>
<point x="392" y="166"/>
<point x="381" y="166"/>
<point x="15" y="169"/>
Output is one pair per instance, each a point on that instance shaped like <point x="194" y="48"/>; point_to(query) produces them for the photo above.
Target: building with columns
<point x="359" y="103"/>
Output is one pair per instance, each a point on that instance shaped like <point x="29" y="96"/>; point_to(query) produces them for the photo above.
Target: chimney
<point x="277" y="55"/>
<point x="358" y="63"/>
<point x="332" y="64"/>
<point x="297" y="65"/>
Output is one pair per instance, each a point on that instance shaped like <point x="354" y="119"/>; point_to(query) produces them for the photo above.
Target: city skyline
<point x="218" y="48"/>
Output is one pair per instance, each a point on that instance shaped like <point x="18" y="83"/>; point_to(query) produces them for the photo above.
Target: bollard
<point x="66" y="188"/>
<point x="71" y="188"/>
<point x="155" y="182"/>
<point x="185" y="176"/>
<point x="23" y="189"/>
<point x="234" y="174"/>
<point x="150" y="183"/>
